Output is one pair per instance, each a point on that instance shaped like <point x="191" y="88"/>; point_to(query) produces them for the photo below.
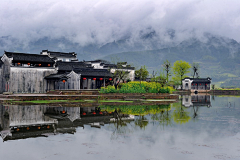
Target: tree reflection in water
<point x="164" y="117"/>
<point x="121" y="123"/>
<point x="180" y="116"/>
<point x="141" y="121"/>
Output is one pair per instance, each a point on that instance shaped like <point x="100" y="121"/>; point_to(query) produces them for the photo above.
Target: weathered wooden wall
<point x="29" y="80"/>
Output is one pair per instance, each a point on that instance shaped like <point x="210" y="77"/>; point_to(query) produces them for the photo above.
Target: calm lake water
<point x="197" y="127"/>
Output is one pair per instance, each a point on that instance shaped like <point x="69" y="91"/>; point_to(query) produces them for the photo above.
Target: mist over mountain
<point x="219" y="57"/>
<point x="142" y="32"/>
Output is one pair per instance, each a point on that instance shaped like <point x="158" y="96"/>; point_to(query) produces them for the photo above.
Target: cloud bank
<point x="102" y="21"/>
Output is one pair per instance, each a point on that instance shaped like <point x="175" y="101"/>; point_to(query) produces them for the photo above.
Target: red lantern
<point x="206" y="84"/>
<point x="196" y="84"/>
<point x="63" y="111"/>
<point x="63" y="81"/>
<point x="28" y="128"/>
<point x="18" y="129"/>
<point x="39" y="65"/>
<point x="18" y="64"/>
<point x="38" y="127"/>
<point x="48" y="65"/>
<point x="48" y="127"/>
<point x="200" y="84"/>
<point x="101" y="79"/>
<point x="84" y="78"/>
<point x="100" y="112"/>
<point x="94" y="79"/>
<point x="94" y="113"/>
<point x="84" y="113"/>
<point x="110" y="79"/>
<point x="28" y="64"/>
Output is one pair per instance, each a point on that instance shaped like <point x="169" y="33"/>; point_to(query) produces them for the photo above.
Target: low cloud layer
<point x="103" y="21"/>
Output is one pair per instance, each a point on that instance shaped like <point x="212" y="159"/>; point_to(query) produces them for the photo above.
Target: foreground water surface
<point x="197" y="127"/>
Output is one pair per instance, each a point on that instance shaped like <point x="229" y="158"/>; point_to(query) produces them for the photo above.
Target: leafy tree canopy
<point x="142" y="73"/>
<point x="180" y="68"/>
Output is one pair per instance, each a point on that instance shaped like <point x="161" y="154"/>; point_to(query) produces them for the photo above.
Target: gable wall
<point x="5" y="76"/>
<point x="73" y="81"/>
<point x="29" y="80"/>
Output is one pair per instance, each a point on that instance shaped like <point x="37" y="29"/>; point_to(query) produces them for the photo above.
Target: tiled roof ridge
<point x="24" y="53"/>
<point x="28" y="57"/>
<point x="58" y="52"/>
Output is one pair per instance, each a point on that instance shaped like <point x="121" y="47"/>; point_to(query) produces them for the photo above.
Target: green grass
<point x="70" y="101"/>
<point x="87" y="101"/>
<point x="47" y="101"/>
<point x="227" y="89"/>
<point x="115" y="101"/>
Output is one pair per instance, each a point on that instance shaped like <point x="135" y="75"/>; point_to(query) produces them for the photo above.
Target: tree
<point x="160" y="79"/>
<point x="195" y="69"/>
<point x="167" y="66"/>
<point x="142" y="73"/>
<point x="180" y="68"/>
<point x="120" y="72"/>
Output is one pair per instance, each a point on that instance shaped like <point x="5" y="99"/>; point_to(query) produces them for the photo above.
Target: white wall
<point x="29" y="80"/>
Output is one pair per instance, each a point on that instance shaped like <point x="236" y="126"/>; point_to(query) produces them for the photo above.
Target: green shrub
<point x="108" y="89"/>
<point x="137" y="87"/>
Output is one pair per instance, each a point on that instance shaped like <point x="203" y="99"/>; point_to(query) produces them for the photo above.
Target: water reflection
<point x="20" y="122"/>
<point x="195" y="101"/>
<point x="123" y="132"/>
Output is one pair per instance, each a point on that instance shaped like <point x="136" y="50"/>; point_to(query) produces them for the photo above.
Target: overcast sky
<point x="102" y="21"/>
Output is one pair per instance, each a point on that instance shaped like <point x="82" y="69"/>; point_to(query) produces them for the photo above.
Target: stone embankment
<point x="92" y="95"/>
<point x="31" y="97"/>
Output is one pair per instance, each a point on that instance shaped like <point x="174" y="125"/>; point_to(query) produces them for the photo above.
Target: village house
<point x="24" y="73"/>
<point x="39" y="73"/>
<point x="196" y="84"/>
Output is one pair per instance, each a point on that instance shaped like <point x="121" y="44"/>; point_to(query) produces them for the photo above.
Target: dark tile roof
<point x="29" y="57"/>
<point x="99" y="61"/>
<point x="93" y="72"/>
<point x="118" y="66"/>
<point x="69" y="66"/>
<point x="199" y="80"/>
<point x="121" y="63"/>
<point x="57" y="76"/>
<point x="61" y="54"/>
<point x="110" y="66"/>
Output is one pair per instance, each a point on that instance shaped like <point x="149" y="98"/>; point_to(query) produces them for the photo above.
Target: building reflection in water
<point x="196" y="101"/>
<point x="20" y="122"/>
